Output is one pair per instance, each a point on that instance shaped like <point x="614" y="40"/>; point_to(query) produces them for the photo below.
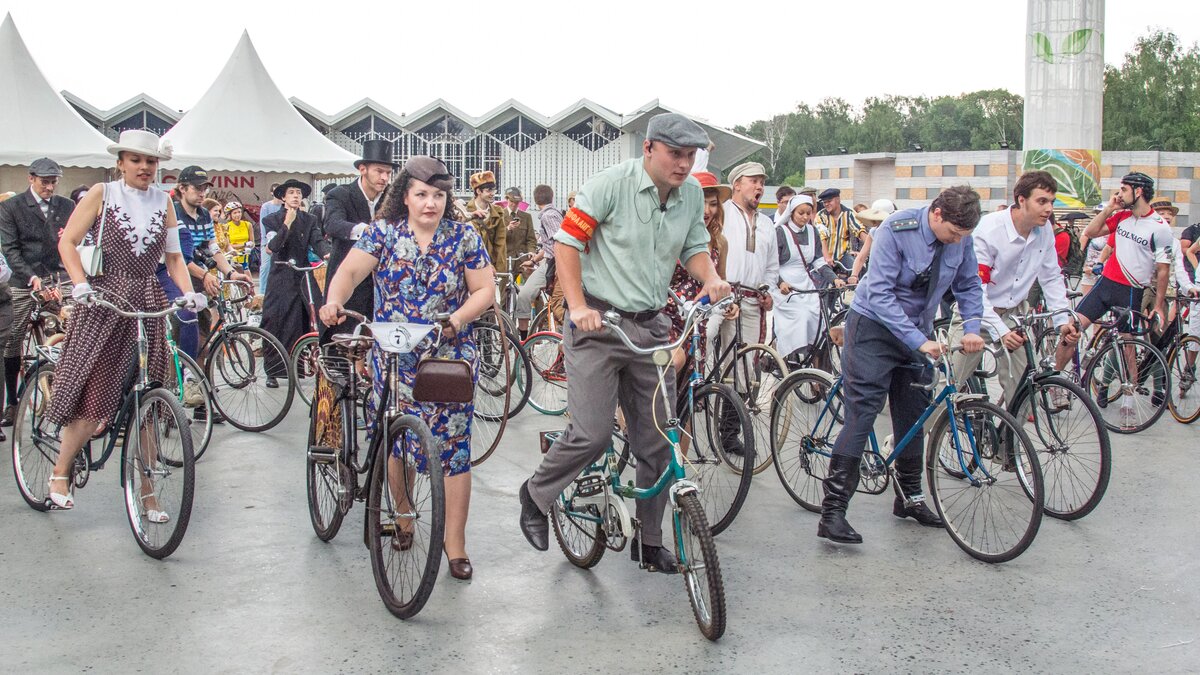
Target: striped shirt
<point x="842" y="230"/>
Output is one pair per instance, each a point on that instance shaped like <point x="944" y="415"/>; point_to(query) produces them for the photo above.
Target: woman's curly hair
<point x="394" y="209"/>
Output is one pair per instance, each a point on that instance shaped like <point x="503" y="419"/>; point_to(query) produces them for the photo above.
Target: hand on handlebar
<point x="586" y="319"/>
<point x="934" y="349"/>
<point x="196" y="302"/>
<point x="83" y="294"/>
<point x="972" y="343"/>
<point x="1012" y="340"/>
<point x="330" y="314"/>
<point x="211" y="285"/>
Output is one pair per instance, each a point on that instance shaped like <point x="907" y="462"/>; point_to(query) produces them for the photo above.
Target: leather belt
<point x="597" y="303"/>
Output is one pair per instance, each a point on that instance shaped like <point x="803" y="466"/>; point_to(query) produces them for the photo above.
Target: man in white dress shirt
<point x="753" y="255"/>
<point x="1015" y="247"/>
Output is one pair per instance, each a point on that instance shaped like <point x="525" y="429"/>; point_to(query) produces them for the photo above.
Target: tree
<point x="1152" y="102"/>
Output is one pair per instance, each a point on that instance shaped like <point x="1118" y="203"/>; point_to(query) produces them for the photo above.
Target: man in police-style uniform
<point x="917" y="254"/>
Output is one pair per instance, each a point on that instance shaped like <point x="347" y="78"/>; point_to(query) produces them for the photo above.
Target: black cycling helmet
<point x="1137" y="179"/>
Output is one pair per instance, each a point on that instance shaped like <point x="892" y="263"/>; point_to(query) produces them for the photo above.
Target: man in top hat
<point x="489" y="218"/>
<point x="616" y="251"/>
<point x="844" y="229"/>
<point x="348" y="210"/>
<point x="30" y="224"/>
<point x="291" y="234"/>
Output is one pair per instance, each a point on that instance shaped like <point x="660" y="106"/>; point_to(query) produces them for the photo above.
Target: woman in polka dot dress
<point x="134" y="231"/>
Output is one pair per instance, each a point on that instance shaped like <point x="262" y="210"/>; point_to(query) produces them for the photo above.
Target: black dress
<point x="285" y="306"/>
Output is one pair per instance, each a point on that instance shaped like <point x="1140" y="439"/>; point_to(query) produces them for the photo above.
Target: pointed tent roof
<point x="263" y="132"/>
<point x="35" y="121"/>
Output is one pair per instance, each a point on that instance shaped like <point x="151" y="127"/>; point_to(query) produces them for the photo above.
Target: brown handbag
<point x="443" y="381"/>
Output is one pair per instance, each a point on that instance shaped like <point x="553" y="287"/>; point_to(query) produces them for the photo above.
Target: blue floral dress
<point x="413" y="286"/>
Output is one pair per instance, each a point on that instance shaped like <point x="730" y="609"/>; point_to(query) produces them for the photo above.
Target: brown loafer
<point x="460" y="568"/>
<point x="402" y="541"/>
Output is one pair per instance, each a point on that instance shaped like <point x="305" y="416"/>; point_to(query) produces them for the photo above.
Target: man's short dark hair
<point x="543" y="195"/>
<point x="784" y="191"/>
<point x="1033" y="180"/>
<point x="959" y="205"/>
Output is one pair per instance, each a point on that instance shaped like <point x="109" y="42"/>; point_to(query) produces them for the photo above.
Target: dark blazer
<point x="292" y="243"/>
<point x="30" y="239"/>
<point x="522" y="238"/>
<point x="345" y="207"/>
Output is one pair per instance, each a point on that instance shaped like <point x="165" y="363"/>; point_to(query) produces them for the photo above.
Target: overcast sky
<point x="760" y="58"/>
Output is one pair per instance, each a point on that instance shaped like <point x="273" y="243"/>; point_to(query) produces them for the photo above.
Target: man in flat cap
<point x="753" y="254"/>
<point x="844" y="229"/>
<point x="29" y="227"/>
<point x="616" y="251"/>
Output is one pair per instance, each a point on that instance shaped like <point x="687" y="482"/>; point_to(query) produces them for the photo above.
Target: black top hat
<point x="376" y="151"/>
<point x="305" y="188"/>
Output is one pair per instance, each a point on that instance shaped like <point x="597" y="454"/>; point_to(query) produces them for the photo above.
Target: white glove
<point x="83" y="294"/>
<point x="358" y="230"/>
<point x="195" y="302"/>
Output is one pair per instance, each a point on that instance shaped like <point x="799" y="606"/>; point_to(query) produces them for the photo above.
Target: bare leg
<point x="73" y="437"/>
<point x="458" y="503"/>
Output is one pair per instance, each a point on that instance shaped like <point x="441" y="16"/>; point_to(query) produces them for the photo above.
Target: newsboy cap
<point x="676" y="130"/>
<point x="746" y="169"/>
<point x="45" y="168"/>
<point x="829" y="193"/>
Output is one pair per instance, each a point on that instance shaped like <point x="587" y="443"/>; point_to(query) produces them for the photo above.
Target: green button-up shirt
<point x="629" y="261"/>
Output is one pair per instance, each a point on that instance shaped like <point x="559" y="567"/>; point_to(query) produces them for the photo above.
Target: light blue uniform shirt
<point x="899" y="253"/>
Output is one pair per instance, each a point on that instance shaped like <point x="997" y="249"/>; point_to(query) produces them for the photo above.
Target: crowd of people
<point x="400" y="247"/>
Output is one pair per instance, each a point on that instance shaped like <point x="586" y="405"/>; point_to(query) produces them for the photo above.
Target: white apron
<point x="797" y="317"/>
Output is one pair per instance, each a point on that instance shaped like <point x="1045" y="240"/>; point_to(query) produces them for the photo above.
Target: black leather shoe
<point x="534" y="525"/>
<point x="840" y="485"/>
<point x="3" y="437"/>
<point x="905" y="508"/>
<point x="654" y="558"/>
<point x="10" y="412"/>
<point x="200" y="414"/>
<point x="272" y="383"/>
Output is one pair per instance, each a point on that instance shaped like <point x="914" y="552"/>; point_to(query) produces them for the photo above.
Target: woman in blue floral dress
<point x="425" y="263"/>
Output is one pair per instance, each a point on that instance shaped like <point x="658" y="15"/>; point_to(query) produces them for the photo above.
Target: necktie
<point x="45" y="207"/>
<point x="935" y="270"/>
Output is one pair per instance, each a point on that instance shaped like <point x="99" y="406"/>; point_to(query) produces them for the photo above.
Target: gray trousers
<point x="601" y="371"/>
<point x="529" y="290"/>
<point x="22" y="305"/>
<point x="1010" y="366"/>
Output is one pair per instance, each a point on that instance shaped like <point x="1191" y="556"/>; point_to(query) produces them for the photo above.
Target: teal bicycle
<point x="590" y="515"/>
<point x="980" y="466"/>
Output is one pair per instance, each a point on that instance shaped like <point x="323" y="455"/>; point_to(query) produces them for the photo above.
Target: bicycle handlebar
<point x="175" y="306"/>
<point x="309" y="268"/>
<point x="692" y="309"/>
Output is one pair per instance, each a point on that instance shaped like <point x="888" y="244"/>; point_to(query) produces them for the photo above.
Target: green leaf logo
<point x="1042" y="48"/>
<point x="1076" y="42"/>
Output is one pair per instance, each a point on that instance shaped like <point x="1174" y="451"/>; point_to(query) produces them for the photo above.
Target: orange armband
<point x="579" y="225"/>
<point x="985" y="273"/>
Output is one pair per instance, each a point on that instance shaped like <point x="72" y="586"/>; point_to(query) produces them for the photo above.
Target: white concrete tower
<point x="1064" y="96"/>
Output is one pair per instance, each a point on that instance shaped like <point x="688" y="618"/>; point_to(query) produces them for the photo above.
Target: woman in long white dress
<point x="802" y="267"/>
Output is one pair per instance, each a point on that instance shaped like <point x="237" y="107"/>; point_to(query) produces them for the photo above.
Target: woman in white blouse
<point x="802" y="267"/>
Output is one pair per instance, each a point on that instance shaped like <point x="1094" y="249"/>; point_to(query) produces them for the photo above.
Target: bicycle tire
<point x="201" y="430"/>
<point x="1103" y="370"/>
<point x="493" y="391"/>
<point x="233" y="366"/>
<point x="801" y="450"/>
<point x="763" y="370"/>
<point x="548" y="389"/>
<point x="409" y="602"/>
<point x="1184" y="398"/>
<point x="304" y="366"/>
<point x="522" y="374"/>
<point x="1075" y="474"/>
<point x="580" y="534"/>
<point x="989" y="453"/>
<point x="708" y="461"/>
<point x="155" y="541"/>
<point x="699" y="566"/>
<point x="35" y="441"/>
<point x="324" y="483"/>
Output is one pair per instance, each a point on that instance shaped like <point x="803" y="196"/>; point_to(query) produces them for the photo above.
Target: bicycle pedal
<point x="322" y="455"/>
<point x="589" y="486"/>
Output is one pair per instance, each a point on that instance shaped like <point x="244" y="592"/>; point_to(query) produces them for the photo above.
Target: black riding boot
<point x="910" y="500"/>
<point x="839" y="487"/>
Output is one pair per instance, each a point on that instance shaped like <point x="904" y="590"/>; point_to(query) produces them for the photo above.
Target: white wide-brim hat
<point x="141" y="142"/>
<point x="879" y="211"/>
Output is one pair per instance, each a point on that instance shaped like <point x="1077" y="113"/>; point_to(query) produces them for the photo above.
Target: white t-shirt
<point x="1138" y="245"/>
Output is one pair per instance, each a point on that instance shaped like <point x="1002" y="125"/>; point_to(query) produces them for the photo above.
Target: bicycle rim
<point x="238" y="367"/>
<point x="35" y="439"/>
<point x="548" y="390"/>
<point x="805" y="422"/>
<point x="720" y="427"/>
<point x="756" y="374"/>
<point x="199" y="418"/>
<point x="158" y="473"/>
<point x="493" y="391"/>
<point x="304" y="365"/>
<point x="696" y="552"/>
<point x="1128" y="404"/>
<point x="1184" y="401"/>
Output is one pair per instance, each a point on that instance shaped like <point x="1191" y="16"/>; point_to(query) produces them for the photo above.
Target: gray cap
<point x="746" y="169"/>
<point x="676" y="130"/>
<point x="45" y="167"/>
<point x="513" y="192"/>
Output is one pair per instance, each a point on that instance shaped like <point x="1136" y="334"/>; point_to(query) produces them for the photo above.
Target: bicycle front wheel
<point x="304" y="366"/>
<point x="805" y="420"/>
<point x="35" y="439"/>
<point x="330" y="483"/>
<point x="199" y="413"/>
<point x="755" y="374"/>
<point x="721" y="429"/>
<point x="250" y="374"/>
<point x="1129" y="380"/>
<point x="406" y="516"/>
<point x="548" y="389"/>
<point x="1184" y="400"/>
<point x="1071" y="442"/>
<point x="992" y="505"/>
<point x="696" y="552"/>
<point x="493" y="391"/>
<point x="158" y="473"/>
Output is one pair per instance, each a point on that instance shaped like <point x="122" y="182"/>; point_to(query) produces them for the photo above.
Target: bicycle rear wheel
<point x="1127" y="404"/>
<point x="548" y="389"/>
<point x="755" y="374"/>
<point x="304" y="366"/>
<point x="158" y="473"/>
<point x="493" y="391"/>
<point x="241" y="363"/>
<point x="406" y="516"/>
<point x="805" y="420"/>
<point x="698" y="564"/>
<point x="1184" y="401"/>
<point x="35" y="439"/>
<point x="330" y="483"/>
<point x="993" y="507"/>
<point x="720" y="426"/>
<point x="199" y="420"/>
<point x="578" y="527"/>
<point x="1072" y="444"/>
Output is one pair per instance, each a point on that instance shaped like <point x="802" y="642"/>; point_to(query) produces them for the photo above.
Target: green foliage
<point x="1152" y="102"/>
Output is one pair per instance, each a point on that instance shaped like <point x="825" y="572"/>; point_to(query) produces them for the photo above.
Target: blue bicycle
<point x="980" y="466"/>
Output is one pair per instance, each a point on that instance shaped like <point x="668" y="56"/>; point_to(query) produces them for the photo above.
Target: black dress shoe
<point x="655" y="558"/>
<point x="905" y="508"/>
<point x="534" y="525"/>
<point x="272" y="383"/>
<point x="200" y="414"/>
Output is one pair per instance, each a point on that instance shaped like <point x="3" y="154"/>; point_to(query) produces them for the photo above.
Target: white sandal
<point x="154" y="515"/>
<point x="62" y="502"/>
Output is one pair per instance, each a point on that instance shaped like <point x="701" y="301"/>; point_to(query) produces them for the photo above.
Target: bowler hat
<point x="376" y="151"/>
<point x="305" y="188"/>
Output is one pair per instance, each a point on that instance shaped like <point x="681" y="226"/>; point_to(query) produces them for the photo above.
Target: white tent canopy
<point x="244" y="123"/>
<point x="35" y="120"/>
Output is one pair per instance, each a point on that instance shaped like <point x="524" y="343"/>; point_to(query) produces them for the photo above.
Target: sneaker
<point x="193" y="396"/>
<point x="9" y="413"/>
<point x="1059" y="400"/>
<point x="1128" y="414"/>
